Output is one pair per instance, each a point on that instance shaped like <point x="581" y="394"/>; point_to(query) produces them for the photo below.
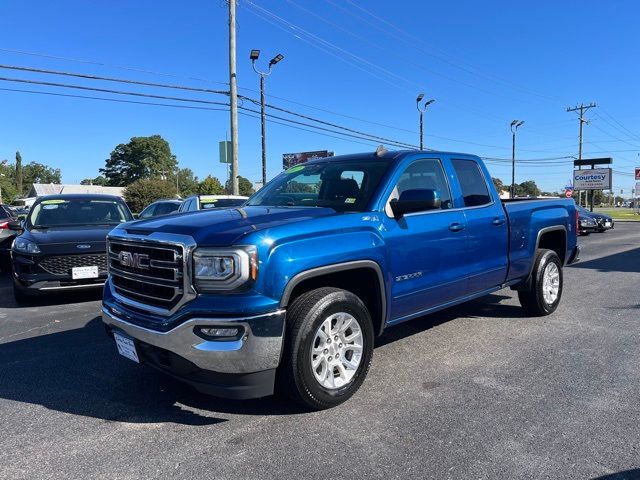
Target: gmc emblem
<point x="134" y="260"/>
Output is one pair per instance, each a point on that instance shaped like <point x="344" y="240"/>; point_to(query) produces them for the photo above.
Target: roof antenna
<point x="380" y="151"/>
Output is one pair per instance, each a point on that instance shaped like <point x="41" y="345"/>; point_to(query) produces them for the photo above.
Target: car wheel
<point x="328" y="348"/>
<point x="542" y="294"/>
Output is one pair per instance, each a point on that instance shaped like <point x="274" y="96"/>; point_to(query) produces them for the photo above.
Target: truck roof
<point x="386" y="156"/>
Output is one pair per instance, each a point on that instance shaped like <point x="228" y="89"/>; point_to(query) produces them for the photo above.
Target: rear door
<point x="487" y="228"/>
<point x="427" y="250"/>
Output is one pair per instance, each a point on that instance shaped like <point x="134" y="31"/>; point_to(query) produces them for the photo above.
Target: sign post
<point x="594" y="179"/>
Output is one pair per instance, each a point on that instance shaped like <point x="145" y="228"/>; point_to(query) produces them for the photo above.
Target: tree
<point x="35" y="172"/>
<point x="144" y="191"/>
<point x="19" y="172"/>
<point x="526" y="189"/>
<point x="99" y="180"/>
<point x="498" y="184"/>
<point x="7" y="188"/>
<point x="210" y="186"/>
<point x="245" y="187"/>
<point x="142" y="157"/>
<point x="187" y="182"/>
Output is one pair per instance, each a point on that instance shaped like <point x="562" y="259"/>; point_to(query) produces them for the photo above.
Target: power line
<point x="179" y="87"/>
<point x="359" y="135"/>
<point x="103" y="64"/>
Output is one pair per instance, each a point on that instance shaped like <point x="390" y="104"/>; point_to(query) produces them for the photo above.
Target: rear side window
<point x="472" y="182"/>
<point x="165" y="208"/>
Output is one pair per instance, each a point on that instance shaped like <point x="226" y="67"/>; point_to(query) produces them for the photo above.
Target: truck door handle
<point x="498" y="221"/>
<point x="456" y="227"/>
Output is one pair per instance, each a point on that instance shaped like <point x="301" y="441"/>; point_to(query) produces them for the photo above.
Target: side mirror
<point x="417" y="200"/>
<point x="16" y="225"/>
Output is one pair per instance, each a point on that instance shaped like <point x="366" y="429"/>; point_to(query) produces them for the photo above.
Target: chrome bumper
<point x="259" y="349"/>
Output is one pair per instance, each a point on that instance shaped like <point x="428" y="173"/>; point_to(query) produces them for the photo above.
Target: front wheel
<point x="328" y="349"/>
<point x="541" y="296"/>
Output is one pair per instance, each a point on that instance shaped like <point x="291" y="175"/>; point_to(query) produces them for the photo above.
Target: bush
<point x="142" y="192"/>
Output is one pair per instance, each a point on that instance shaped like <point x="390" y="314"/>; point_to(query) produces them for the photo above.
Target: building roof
<point x="40" y="189"/>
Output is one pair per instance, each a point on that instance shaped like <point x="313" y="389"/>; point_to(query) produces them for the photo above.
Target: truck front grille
<point x="146" y="272"/>
<point x="62" y="264"/>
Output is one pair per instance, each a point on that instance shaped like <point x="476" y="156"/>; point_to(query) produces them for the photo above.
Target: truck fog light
<point x="218" y="333"/>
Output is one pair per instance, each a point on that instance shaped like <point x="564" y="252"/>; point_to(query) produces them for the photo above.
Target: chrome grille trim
<point x="180" y="268"/>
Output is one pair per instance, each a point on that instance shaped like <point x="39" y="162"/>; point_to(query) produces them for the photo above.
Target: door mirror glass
<point x="415" y="200"/>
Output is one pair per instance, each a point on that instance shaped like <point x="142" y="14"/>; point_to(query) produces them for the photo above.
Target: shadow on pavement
<point x="488" y="306"/>
<point x="633" y="474"/>
<point x="80" y="372"/>
<point x="628" y="261"/>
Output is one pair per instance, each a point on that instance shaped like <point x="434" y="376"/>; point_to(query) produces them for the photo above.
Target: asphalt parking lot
<point x="477" y="391"/>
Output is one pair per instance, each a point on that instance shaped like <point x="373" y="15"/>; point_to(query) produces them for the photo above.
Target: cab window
<point x="422" y="174"/>
<point x="472" y="182"/>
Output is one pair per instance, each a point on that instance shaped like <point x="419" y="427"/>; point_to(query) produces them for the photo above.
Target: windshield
<point x="78" y="212"/>
<point x="343" y="186"/>
<point x="206" y="204"/>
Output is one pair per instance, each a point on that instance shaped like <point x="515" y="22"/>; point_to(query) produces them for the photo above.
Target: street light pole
<point x="253" y="56"/>
<point x="514" y="128"/>
<point x="422" y="110"/>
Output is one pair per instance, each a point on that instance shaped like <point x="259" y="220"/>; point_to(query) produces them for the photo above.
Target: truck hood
<point x="223" y="227"/>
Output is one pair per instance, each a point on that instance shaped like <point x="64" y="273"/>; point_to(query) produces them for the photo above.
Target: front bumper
<point x="241" y="368"/>
<point x="31" y="279"/>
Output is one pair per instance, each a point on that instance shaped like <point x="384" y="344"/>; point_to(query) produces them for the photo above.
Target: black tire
<point x="304" y="317"/>
<point x="531" y="296"/>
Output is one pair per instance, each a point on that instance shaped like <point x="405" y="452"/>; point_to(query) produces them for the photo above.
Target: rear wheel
<point x="542" y="294"/>
<point x="328" y="348"/>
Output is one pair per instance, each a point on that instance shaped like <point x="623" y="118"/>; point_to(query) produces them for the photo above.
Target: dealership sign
<point x="594" y="179"/>
<point x="637" y="173"/>
<point x="291" y="159"/>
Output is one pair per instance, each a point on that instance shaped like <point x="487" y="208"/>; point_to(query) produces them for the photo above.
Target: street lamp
<point x="514" y="128"/>
<point x="253" y="56"/>
<point x="422" y="110"/>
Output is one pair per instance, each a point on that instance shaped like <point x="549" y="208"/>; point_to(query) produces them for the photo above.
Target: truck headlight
<point x="25" y="246"/>
<point x="216" y="269"/>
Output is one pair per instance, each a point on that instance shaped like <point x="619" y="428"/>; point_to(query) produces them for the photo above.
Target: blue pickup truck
<point x="288" y="292"/>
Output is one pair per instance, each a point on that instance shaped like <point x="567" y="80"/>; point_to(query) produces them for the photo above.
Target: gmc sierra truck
<point x="288" y="292"/>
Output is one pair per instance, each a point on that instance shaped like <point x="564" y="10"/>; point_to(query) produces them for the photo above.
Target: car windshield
<point x="78" y="212"/>
<point x="206" y="204"/>
<point x="343" y="186"/>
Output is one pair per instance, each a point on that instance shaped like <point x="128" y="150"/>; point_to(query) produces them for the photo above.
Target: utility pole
<point x="233" y="96"/>
<point x="253" y="57"/>
<point x="514" y="128"/>
<point x="422" y="110"/>
<point x="582" y="108"/>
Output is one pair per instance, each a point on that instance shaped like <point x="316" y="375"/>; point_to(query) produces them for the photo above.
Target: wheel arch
<point x="355" y="276"/>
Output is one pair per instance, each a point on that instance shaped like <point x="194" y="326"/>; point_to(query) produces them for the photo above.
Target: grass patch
<point x="619" y="213"/>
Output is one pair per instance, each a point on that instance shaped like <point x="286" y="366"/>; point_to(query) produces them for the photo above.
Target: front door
<point x="427" y="250"/>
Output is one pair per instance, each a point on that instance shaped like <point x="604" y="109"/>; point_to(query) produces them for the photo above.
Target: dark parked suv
<point x="63" y="243"/>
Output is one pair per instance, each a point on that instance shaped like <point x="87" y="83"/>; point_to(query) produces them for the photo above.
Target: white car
<point x="206" y="202"/>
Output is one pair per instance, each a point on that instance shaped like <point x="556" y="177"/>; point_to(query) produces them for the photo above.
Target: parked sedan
<point x="586" y="223"/>
<point x="160" y="207"/>
<point x="7" y="215"/>
<point x="62" y="245"/>
<point x="603" y="222"/>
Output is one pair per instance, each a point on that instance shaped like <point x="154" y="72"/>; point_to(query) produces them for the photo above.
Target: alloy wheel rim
<point x="551" y="283"/>
<point x="336" y="351"/>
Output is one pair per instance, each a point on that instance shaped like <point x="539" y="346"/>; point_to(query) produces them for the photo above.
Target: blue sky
<point x="353" y="62"/>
